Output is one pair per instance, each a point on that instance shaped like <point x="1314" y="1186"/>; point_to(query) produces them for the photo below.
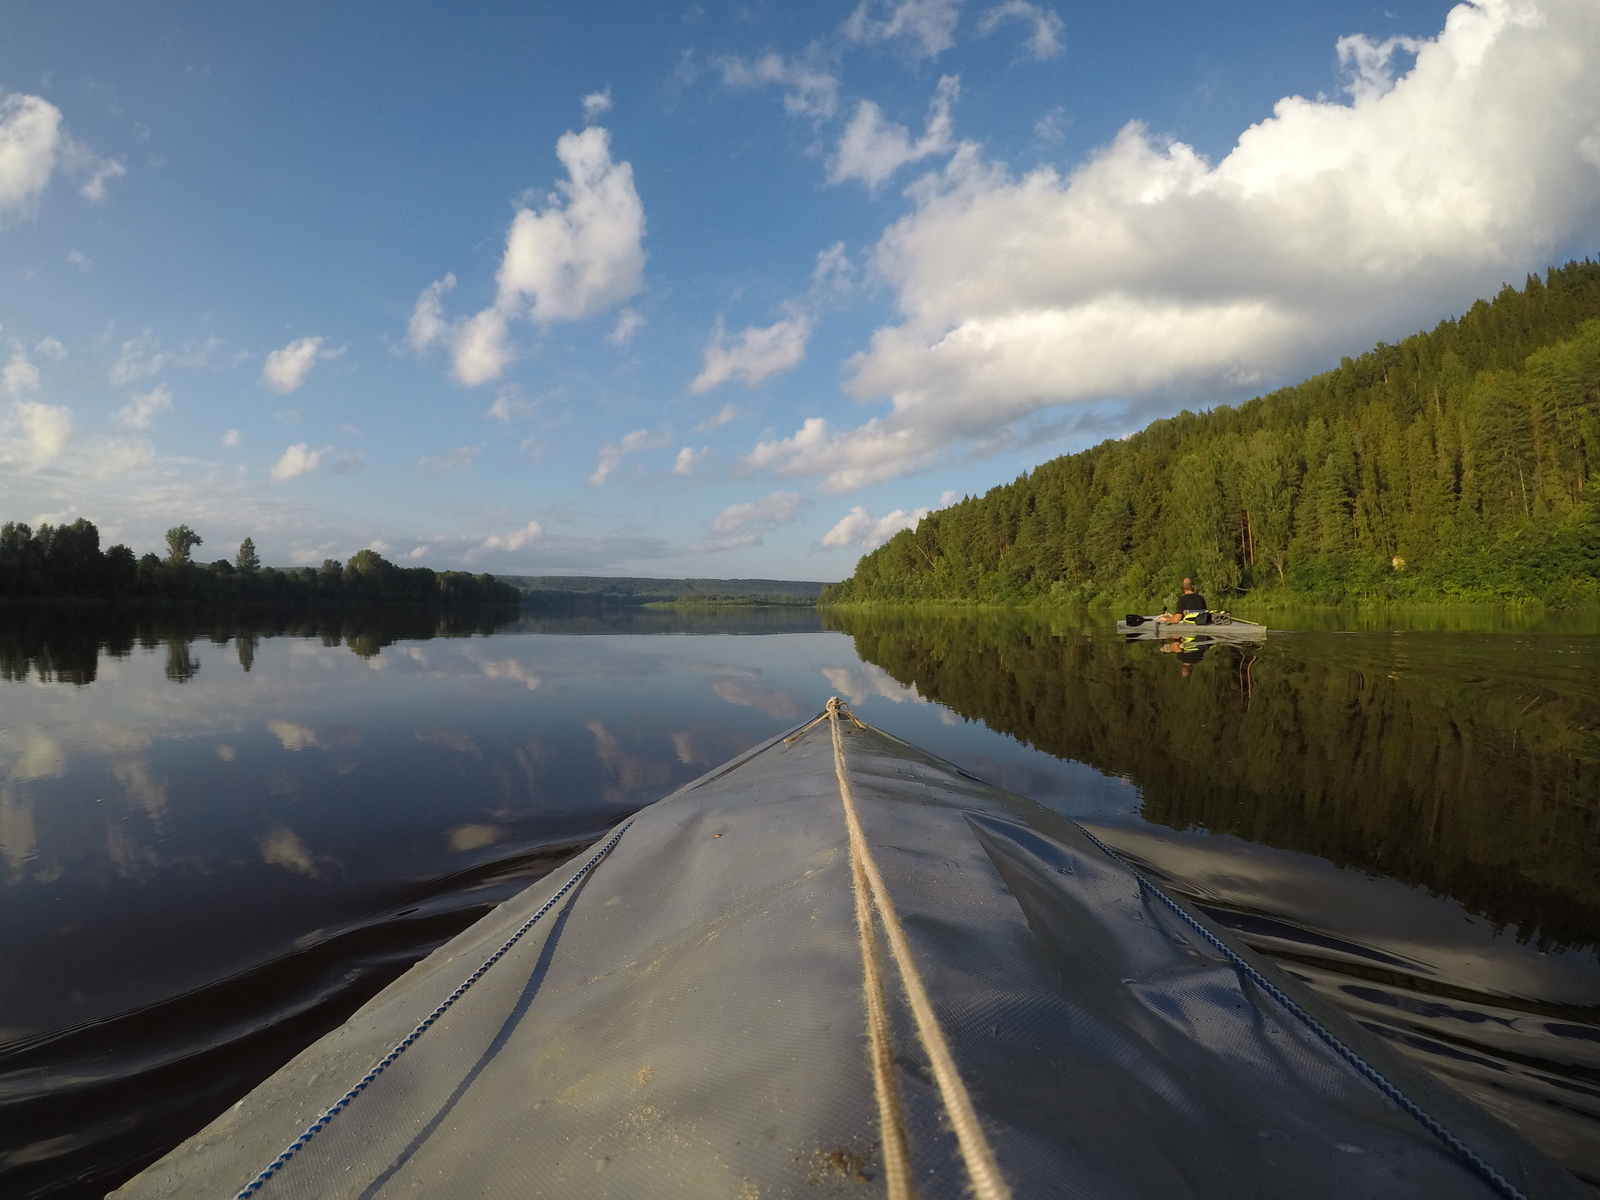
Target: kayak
<point x="841" y="965"/>
<point x="1230" y="630"/>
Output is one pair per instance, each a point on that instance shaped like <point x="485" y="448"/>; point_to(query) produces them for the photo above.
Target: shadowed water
<point x="218" y="838"/>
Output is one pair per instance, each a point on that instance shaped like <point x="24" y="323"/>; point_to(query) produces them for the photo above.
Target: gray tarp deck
<point x="688" y="1021"/>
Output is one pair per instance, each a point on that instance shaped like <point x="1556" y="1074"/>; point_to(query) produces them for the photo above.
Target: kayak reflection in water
<point x="1190" y="601"/>
<point x="1189" y="651"/>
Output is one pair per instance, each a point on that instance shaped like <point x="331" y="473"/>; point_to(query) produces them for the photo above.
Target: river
<point x="218" y="837"/>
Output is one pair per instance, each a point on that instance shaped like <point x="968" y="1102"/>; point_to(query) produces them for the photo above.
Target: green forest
<point x="1454" y="466"/>
<point x="65" y="561"/>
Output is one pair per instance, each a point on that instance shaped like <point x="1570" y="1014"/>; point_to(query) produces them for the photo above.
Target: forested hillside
<point x="1455" y="465"/>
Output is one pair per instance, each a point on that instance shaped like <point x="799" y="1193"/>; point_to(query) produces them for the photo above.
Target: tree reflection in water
<point x="65" y="644"/>
<point x="181" y="664"/>
<point x="1468" y="764"/>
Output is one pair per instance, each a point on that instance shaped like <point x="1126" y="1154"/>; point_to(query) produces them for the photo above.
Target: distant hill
<point x="596" y="591"/>
<point x="1457" y="465"/>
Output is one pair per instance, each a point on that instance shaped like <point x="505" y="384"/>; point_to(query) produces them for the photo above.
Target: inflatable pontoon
<point x="1223" y="628"/>
<point x="839" y="966"/>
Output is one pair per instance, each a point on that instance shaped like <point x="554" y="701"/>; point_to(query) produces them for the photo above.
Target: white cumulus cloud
<point x="1045" y="39"/>
<point x="511" y="403"/>
<point x="299" y="459"/>
<point x="924" y="27"/>
<point x="100" y="171"/>
<point x="20" y="376"/>
<point x="1150" y="275"/>
<point x="725" y="414"/>
<point x="579" y="256"/>
<point x="1369" y="65"/>
<point x="583" y="253"/>
<point x="754" y="354"/>
<point x="33" y="146"/>
<point x="232" y="438"/>
<point x="428" y="324"/>
<point x="689" y="458"/>
<point x="30" y="147"/>
<point x="596" y="104"/>
<point x="142" y="407"/>
<point x="849" y="459"/>
<point x="741" y="525"/>
<point x="872" y="149"/>
<point x="138" y="359"/>
<point x="480" y="349"/>
<point x="45" y="430"/>
<point x="860" y="528"/>
<point x="629" y="322"/>
<point x="285" y="370"/>
<point x="834" y="272"/>
<point x="48" y="426"/>
<point x="808" y="90"/>
<point x="515" y="540"/>
<point x="612" y="454"/>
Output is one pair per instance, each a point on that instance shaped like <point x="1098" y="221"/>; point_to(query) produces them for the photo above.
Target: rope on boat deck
<point x="891" y="1117"/>
<point x="987" y="1182"/>
<point x="835" y="705"/>
<point x="1334" y="1042"/>
<point x="321" y="1123"/>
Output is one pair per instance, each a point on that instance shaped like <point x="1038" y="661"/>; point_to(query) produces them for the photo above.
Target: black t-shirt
<point x="1191" y="602"/>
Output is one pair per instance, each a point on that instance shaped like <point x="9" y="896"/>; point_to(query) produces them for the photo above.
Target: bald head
<point x="1188" y="585"/>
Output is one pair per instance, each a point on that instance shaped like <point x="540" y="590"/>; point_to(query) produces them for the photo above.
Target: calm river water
<point x="217" y="840"/>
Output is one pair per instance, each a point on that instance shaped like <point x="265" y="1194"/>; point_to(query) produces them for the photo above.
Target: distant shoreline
<point x="594" y="592"/>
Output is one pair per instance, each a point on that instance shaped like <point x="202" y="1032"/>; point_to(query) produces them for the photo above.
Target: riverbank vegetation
<point x="1455" y="466"/>
<point x="59" y="562"/>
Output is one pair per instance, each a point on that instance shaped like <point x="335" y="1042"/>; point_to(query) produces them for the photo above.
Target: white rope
<point x="825" y="715"/>
<point x="987" y="1182"/>
<point x="891" y="1117"/>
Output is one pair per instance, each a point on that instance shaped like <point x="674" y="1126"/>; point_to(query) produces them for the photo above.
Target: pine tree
<point x="247" y="559"/>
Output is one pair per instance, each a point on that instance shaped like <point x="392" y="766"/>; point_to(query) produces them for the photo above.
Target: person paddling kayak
<point x="1190" y="601"/>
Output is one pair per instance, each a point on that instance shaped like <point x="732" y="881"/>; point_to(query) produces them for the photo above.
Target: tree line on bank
<point x="60" y="561"/>
<point x="1455" y="465"/>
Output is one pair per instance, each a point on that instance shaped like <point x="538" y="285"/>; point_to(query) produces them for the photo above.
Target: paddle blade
<point x="1134" y="619"/>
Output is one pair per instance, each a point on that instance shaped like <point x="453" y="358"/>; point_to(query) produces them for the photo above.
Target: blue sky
<point x="720" y="290"/>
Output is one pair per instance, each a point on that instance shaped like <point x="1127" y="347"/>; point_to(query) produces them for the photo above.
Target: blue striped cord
<point x="1369" y="1072"/>
<point x="321" y="1122"/>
